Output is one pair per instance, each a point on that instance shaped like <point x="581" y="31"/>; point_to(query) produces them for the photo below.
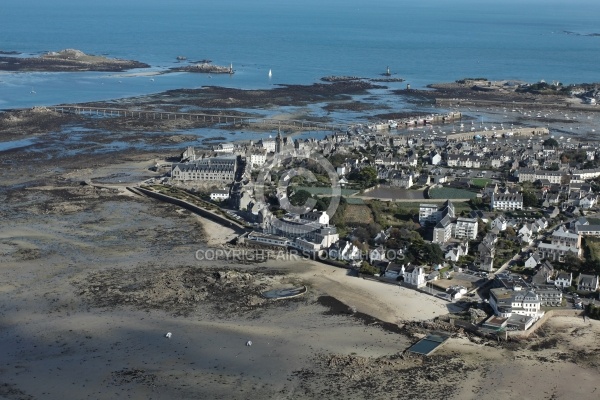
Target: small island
<point x="204" y="68"/>
<point x="69" y="60"/>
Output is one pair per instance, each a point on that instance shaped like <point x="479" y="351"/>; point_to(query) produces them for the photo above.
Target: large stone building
<point x="532" y="175"/>
<point x="310" y="227"/>
<point x="506" y="302"/>
<point x="217" y="170"/>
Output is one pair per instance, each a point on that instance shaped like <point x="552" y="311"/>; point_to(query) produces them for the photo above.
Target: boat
<point x="270" y="74"/>
<point x="393" y="124"/>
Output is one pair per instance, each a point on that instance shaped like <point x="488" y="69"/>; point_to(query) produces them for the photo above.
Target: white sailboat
<point x="270" y="74"/>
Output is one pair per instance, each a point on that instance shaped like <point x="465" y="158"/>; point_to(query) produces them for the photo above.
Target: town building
<point x="442" y="232"/>
<point x="587" y="283"/>
<point x="257" y="160"/>
<point x="266" y="239"/>
<point x="466" y="228"/>
<point x="213" y="170"/>
<point x="506" y="302"/>
<point x="506" y="201"/>
<point x="219" y="195"/>
<point x="532" y="175"/>
<point x="414" y="276"/>
<point x="432" y="214"/>
<point x="564" y="279"/>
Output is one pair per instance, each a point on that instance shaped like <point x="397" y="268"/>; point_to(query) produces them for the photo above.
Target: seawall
<point x="238" y="228"/>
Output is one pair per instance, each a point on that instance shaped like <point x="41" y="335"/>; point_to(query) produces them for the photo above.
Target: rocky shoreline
<point x="68" y="60"/>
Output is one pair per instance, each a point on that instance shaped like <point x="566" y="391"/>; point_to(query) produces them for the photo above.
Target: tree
<point x="530" y="199"/>
<point x="475" y="202"/>
<point x="361" y="234"/>
<point x="300" y="197"/>
<point x="323" y="203"/>
<point x="550" y="142"/>
<point x="425" y="253"/>
<point x="368" y="269"/>
<point x="366" y="176"/>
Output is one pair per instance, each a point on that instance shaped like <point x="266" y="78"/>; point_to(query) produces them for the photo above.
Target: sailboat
<point x="32" y="91"/>
<point x="231" y="69"/>
<point x="270" y="74"/>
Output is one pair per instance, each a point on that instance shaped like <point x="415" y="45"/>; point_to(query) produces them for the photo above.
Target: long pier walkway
<point x="210" y="118"/>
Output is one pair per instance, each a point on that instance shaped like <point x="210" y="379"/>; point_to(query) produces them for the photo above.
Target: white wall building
<point x="506" y="201"/>
<point x="257" y="159"/>
<point x="219" y="195"/>
<point x="564" y="279"/>
<point x="466" y="228"/>
<point x="506" y="302"/>
<point x="415" y="276"/>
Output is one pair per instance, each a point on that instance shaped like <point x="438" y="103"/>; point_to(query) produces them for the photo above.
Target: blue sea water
<point x="423" y="42"/>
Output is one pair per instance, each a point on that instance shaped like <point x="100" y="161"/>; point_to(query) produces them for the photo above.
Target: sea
<point x="422" y="42"/>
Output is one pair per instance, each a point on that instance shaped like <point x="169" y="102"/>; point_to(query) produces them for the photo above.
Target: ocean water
<point x="422" y="42"/>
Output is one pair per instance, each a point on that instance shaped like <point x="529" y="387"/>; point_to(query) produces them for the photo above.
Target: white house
<point x="526" y="239"/>
<point x="257" y="159"/>
<point x="350" y="252"/>
<point x="532" y="261"/>
<point x="499" y="223"/>
<point x="219" y="195"/>
<point x="268" y="145"/>
<point x="393" y="271"/>
<point x="588" y="283"/>
<point x="564" y="279"/>
<point x="588" y="202"/>
<point x="456" y="292"/>
<point x="415" y="276"/>
<point x="455" y="253"/>
<point x="377" y="254"/>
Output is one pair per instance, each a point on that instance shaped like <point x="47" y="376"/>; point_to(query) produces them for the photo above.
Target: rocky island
<point x="205" y="68"/>
<point x="69" y="60"/>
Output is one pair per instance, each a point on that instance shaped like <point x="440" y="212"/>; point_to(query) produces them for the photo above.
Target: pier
<point x="234" y="120"/>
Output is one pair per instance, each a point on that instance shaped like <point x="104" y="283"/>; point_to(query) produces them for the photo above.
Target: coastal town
<point x="299" y="200"/>
<point x="501" y="221"/>
<point x="276" y="252"/>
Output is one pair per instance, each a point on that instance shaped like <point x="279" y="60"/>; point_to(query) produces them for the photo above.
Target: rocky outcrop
<point x="69" y="60"/>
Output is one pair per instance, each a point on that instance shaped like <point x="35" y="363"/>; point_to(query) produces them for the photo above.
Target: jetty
<point x="234" y="120"/>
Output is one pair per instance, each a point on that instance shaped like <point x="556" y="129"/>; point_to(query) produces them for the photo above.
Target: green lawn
<point x="325" y="191"/>
<point x="481" y="182"/>
<point x="451" y="193"/>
